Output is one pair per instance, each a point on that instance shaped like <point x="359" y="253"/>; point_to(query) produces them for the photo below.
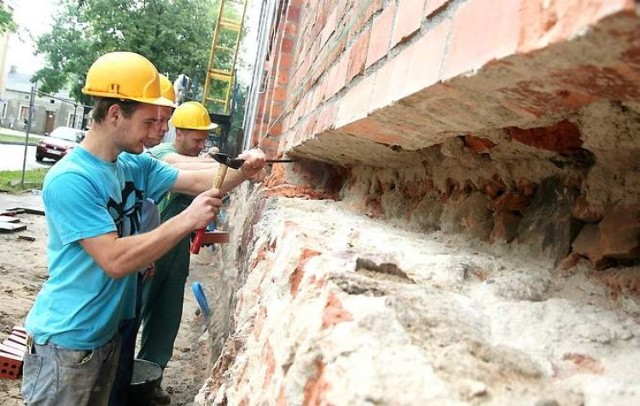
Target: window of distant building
<point x="24" y="113"/>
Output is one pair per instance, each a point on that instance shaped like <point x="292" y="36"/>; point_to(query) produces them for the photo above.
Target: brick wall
<point x="400" y="72"/>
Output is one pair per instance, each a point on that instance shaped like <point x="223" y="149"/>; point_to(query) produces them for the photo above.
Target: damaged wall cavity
<point x="534" y="187"/>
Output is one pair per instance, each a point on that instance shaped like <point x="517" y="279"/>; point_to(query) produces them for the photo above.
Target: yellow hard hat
<point x="166" y="89"/>
<point x="125" y="75"/>
<point x="192" y="116"/>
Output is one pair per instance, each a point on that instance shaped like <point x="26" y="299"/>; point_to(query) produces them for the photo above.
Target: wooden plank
<point x="28" y="210"/>
<point x="8" y="219"/>
<point x="12" y="227"/>
<point x="11" y="212"/>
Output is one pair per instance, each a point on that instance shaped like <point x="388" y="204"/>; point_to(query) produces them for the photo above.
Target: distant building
<point x="50" y="111"/>
<point x="8" y="5"/>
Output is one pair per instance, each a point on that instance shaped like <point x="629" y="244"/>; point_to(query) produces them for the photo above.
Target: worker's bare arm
<point x="119" y="257"/>
<point x="174" y="158"/>
<point x="195" y="165"/>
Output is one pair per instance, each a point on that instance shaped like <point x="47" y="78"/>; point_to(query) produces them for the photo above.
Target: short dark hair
<point x="102" y="104"/>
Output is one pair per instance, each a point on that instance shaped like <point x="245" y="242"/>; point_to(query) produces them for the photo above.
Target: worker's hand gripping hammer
<point x="225" y="163"/>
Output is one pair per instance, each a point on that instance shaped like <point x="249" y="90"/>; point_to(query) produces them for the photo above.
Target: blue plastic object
<point x="198" y="292"/>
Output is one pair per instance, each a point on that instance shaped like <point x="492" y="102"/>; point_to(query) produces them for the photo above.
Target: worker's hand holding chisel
<point x="253" y="166"/>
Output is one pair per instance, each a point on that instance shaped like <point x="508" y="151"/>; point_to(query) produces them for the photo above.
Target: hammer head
<point x="224" y="159"/>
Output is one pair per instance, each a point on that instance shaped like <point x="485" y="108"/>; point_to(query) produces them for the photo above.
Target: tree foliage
<point x="6" y="21"/>
<point x="174" y="34"/>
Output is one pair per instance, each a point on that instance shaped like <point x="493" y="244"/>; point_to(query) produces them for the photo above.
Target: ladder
<point x="222" y="58"/>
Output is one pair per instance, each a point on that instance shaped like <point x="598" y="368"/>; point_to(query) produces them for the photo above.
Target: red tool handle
<point x="217" y="182"/>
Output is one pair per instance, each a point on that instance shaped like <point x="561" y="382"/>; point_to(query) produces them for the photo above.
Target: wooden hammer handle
<point x="217" y="182"/>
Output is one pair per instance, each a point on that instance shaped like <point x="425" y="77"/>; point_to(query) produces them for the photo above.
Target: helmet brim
<point x="157" y="101"/>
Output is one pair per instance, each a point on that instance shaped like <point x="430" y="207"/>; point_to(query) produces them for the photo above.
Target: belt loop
<point x="29" y="344"/>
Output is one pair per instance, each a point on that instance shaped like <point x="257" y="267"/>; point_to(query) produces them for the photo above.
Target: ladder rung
<point x="216" y="100"/>
<point x="230" y="25"/>
<point x="220" y="78"/>
<point x="224" y="48"/>
<point x="219" y="72"/>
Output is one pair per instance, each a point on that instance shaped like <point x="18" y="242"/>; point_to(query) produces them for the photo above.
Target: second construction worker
<point x="164" y="293"/>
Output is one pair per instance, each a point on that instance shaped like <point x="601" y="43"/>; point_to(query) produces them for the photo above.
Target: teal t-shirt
<point x="80" y="306"/>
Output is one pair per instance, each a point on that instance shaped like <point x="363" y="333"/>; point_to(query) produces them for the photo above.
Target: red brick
<point x="555" y="21"/>
<point x="381" y="34"/>
<point x="355" y="103"/>
<point x="587" y="244"/>
<point x="426" y="60"/>
<point x="433" y="5"/>
<point x="326" y="118"/>
<point x="293" y="13"/>
<point x="562" y="137"/>
<point x="334" y="313"/>
<point x="373" y="129"/>
<point x="259" y="321"/>
<point x="509" y="201"/>
<point x="358" y="55"/>
<point x="316" y="387"/>
<point x="383" y="89"/>
<point x="362" y="11"/>
<point x="586" y="211"/>
<point x="328" y="29"/>
<point x="290" y="29"/>
<point x="483" y="30"/>
<point x="477" y="145"/>
<point x="526" y="187"/>
<point x="620" y="233"/>
<point x="338" y="75"/>
<point x="408" y="20"/>
<point x="286" y="61"/>
<point x="270" y="362"/>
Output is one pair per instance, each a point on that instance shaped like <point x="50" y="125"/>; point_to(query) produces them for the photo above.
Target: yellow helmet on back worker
<point x="192" y="116"/>
<point x="125" y="75"/>
<point x="167" y="91"/>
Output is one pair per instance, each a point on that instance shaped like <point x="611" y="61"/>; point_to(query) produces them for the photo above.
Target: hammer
<point x="225" y="163"/>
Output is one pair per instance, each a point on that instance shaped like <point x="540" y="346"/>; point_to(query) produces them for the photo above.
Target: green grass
<point x="16" y="138"/>
<point x="33" y="179"/>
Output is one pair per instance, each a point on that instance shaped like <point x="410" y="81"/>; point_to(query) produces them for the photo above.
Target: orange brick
<point x="373" y="129"/>
<point x="380" y="34"/>
<point x="334" y="313"/>
<point x="382" y="91"/>
<point x="408" y="20"/>
<point x="433" y="5"/>
<point x="545" y="23"/>
<point x="355" y="104"/>
<point x="287" y="45"/>
<point x="270" y="362"/>
<point x="339" y="76"/>
<point x="358" y="55"/>
<point x="496" y="22"/>
<point x="280" y="93"/>
<point x="362" y="11"/>
<point x="426" y="60"/>
<point x="328" y="29"/>
<point x="286" y="61"/>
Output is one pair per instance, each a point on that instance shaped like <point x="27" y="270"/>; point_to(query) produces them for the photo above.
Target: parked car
<point x="58" y="143"/>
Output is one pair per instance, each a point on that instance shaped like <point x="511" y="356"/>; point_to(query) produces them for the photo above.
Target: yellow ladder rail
<point x="216" y="73"/>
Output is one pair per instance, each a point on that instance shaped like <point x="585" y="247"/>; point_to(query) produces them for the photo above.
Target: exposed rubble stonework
<point x="338" y="308"/>
<point x="463" y="222"/>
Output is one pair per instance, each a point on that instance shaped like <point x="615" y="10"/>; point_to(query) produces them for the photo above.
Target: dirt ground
<point x="23" y="270"/>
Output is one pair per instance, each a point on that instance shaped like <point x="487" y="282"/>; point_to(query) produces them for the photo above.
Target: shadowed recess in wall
<point x="384" y="270"/>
